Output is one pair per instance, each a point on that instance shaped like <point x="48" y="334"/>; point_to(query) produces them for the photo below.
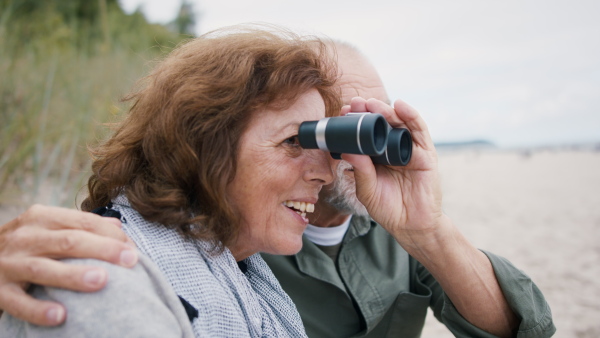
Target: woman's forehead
<point x="308" y="107"/>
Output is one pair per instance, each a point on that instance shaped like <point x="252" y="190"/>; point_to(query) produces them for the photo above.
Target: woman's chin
<point x="290" y="248"/>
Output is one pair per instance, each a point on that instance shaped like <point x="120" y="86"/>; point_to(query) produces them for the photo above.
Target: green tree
<point x="185" y="22"/>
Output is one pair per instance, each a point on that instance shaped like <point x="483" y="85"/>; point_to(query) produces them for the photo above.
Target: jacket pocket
<point x="405" y="318"/>
<point x="408" y="317"/>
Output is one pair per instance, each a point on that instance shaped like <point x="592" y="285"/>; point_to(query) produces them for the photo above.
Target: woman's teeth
<point x="301" y="208"/>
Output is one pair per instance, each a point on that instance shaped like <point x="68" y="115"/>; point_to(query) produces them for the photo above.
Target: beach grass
<point x="64" y="65"/>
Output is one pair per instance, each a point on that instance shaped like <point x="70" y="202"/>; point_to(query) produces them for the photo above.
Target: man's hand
<point x="30" y="245"/>
<point x="407" y="201"/>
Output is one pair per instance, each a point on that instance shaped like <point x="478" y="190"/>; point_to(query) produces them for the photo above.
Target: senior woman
<point x="204" y="172"/>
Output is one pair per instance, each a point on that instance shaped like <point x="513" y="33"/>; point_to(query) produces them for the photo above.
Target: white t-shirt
<point x="327" y="236"/>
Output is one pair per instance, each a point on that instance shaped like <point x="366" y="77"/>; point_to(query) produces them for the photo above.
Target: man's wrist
<point x="428" y="240"/>
<point x="440" y="246"/>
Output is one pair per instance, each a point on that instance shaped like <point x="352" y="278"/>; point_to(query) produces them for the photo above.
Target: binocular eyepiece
<point x="358" y="133"/>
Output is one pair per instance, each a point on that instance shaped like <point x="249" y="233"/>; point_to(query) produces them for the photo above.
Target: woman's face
<point x="273" y="171"/>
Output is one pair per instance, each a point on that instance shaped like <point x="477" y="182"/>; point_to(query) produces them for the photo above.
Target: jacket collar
<point x="314" y="262"/>
<point x="359" y="226"/>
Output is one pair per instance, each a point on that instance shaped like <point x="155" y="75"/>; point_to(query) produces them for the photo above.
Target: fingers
<point x="28" y="242"/>
<point x="415" y="123"/>
<point x="55" y="232"/>
<point x="56" y="274"/>
<point x="32" y="266"/>
<point x="62" y="218"/>
<point x="358" y="104"/>
<point x="401" y="115"/>
<point x="26" y="308"/>
<point x="365" y="175"/>
<point x="70" y="244"/>
<point x="409" y="116"/>
<point x="345" y="110"/>
<point x="361" y="164"/>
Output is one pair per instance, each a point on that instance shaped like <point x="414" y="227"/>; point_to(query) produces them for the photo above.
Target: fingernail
<point x="55" y="314"/>
<point x="128" y="258"/>
<point x="94" y="277"/>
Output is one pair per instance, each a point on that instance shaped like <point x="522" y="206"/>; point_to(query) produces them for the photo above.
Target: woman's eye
<point x="293" y="141"/>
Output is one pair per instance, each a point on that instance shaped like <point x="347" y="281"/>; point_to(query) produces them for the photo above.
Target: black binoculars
<point x="358" y="133"/>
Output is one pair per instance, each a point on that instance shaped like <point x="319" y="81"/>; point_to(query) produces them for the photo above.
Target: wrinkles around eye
<point x="292" y="141"/>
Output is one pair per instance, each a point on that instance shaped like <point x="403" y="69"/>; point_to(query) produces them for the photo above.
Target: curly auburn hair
<point x="176" y="150"/>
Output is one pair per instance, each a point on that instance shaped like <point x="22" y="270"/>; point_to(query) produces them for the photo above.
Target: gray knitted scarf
<point x="230" y="303"/>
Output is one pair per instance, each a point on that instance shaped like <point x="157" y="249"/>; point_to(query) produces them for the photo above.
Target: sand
<point x="540" y="209"/>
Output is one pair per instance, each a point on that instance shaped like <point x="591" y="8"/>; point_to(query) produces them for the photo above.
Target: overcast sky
<point x="515" y="72"/>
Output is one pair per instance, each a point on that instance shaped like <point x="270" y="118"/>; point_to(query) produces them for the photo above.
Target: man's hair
<point x="176" y="151"/>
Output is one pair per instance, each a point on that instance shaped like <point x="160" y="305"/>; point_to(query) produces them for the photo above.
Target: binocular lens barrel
<point x="364" y="134"/>
<point x="358" y="133"/>
<point x="398" y="150"/>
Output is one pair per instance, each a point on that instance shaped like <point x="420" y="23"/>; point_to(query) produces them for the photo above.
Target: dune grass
<point x="63" y="67"/>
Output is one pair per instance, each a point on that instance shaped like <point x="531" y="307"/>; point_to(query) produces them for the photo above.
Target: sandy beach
<point x="540" y="209"/>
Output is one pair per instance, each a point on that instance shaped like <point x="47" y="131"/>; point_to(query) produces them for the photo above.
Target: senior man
<point x="353" y="277"/>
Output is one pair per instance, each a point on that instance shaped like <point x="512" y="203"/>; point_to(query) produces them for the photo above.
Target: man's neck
<point x="326" y="216"/>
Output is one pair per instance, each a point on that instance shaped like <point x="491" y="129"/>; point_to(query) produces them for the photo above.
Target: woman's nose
<point x="318" y="170"/>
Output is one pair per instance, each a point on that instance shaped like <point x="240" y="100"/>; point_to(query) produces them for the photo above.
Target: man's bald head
<point x="358" y="77"/>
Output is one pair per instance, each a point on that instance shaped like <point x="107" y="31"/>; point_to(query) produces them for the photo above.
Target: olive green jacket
<point x="381" y="291"/>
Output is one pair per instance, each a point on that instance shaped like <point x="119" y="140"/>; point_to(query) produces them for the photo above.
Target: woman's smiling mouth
<point x="301" y="208"/>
